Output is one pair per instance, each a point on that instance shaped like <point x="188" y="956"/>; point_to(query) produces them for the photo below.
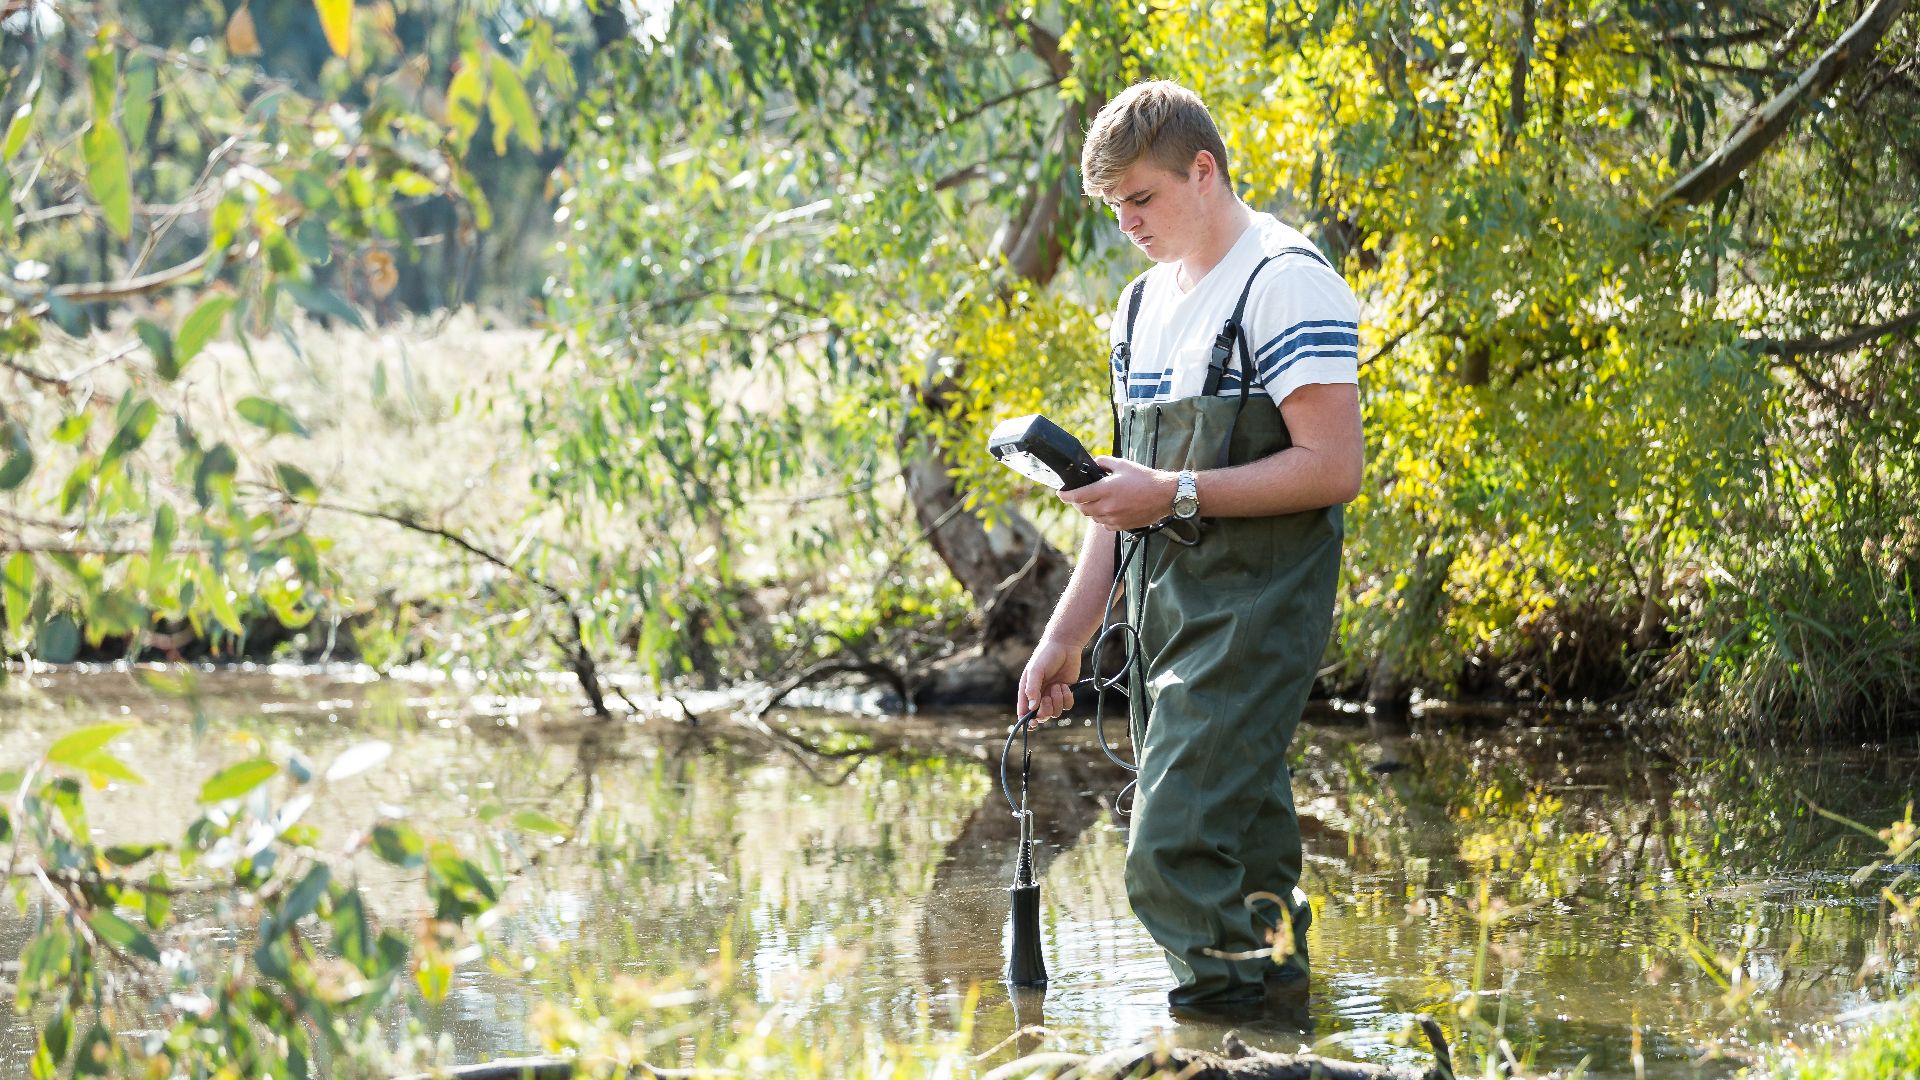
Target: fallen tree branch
<point x="579" y="658"/>
<point x="1761" y="129"/>
<point x="815" y="672"/>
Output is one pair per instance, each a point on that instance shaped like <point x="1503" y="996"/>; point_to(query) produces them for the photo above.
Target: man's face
<point x="1159" y="211"/>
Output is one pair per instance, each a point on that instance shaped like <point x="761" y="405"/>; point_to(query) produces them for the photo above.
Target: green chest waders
<point x="1231" y="632"/>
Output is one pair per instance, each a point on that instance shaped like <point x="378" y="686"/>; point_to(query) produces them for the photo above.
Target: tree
<point x="202" y="193"/>
<point x="781" y="275"/>
<point x="1642" y="294"/>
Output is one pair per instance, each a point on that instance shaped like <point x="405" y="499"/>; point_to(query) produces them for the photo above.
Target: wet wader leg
<point x="1203" y="786"/>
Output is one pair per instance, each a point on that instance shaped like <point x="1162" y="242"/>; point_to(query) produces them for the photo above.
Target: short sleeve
<point x="1304" y="328"/>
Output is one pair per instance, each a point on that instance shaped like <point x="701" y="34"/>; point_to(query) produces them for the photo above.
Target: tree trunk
<point x="1013" y="574"/>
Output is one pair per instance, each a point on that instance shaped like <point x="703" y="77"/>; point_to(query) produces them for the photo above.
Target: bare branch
<point x="1760" y="130"/>
<point x="1001" y="99"/>
<point x="135" y="286"/>
<point x="1829" y="346"/>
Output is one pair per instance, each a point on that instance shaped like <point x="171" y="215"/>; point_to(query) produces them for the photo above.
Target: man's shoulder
<point x="1299" y="280"/>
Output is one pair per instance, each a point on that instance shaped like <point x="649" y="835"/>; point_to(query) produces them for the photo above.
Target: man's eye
<point x="1143" y="200"/>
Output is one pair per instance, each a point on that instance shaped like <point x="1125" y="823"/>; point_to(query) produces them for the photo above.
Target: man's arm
<point x="1046" y="686"/>
<point x="1323" y="467"/>
<point x="1082" y="607"/>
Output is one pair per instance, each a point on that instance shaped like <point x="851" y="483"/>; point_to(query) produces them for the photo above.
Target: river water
<point x="1595" y="901"/>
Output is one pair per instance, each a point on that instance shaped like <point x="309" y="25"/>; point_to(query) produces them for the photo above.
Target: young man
<point x="1231" y="627"/>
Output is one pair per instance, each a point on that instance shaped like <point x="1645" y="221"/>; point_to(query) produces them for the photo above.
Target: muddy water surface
<point x="1597" y="902"/>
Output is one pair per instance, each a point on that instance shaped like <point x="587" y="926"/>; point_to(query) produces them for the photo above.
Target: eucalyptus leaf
<point x="238" y="779"/>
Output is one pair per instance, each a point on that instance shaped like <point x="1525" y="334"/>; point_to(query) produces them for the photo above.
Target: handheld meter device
<point x="1040" y="450"/>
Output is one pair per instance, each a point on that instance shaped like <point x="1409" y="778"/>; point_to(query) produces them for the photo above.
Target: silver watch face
<point x="1186" y="498"/>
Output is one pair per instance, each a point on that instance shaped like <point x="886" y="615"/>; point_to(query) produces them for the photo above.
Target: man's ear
<point x="1204" y="170"/>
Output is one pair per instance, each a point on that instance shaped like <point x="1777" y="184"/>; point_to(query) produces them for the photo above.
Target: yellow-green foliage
<point x="1572" y="418"/>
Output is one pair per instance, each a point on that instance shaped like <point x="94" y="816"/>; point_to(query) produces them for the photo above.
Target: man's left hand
<point x="1131" y="496"/>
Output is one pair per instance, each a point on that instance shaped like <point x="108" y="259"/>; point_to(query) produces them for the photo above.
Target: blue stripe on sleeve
<point x="1268" y="374"/>
<point x="1309" y="345"/>
<point x="1291" y="335"/>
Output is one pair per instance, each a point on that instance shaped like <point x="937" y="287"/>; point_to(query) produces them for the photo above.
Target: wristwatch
<point x="1186" y="496"/>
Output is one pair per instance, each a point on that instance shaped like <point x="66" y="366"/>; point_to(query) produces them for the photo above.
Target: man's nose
<point x="1129" y="219"/>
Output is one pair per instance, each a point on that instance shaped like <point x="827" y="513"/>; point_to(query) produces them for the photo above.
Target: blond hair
<point x="1159" y="120"/>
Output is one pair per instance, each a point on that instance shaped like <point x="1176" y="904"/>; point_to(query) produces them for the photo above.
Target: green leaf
<point x="296" y="482"/>
<point x="535" y="821"/>
<point x="74" y="747"/>
<point x="508" y="101"/>
<point x="434" y="977"/>
<point x="201" y="327"/>
<point x="324" y="302"/>
<point x="214" y="591"/>
<point x="70" y="431"/>
<point x="398" y="844"/>
<point x="266" y="413"/>
<point x="465" y="92"/>
<point x="46" y="959"/>
<point x="123" y="935"/>
<point x="304" y="897"/>
<point x="58" y="1033"/>
<point x="214" y="475"/>
<point x="20" y="125"/>
<point x="58" y="641"/>
<point x="136" y="105"/>
<point x="351" y="941"/>
<point x="236" y="780"/>
<point x="133" y="431"/>
<point x="108" y="176"/>
<point x="19" y="463"/>
<point x="131" y="854"/>
<point x="79" y="484"/>
<point x="94" y="1056"/>
<point x="101" y="74"/>
<point x="160" y="344"/>
<point x="159" y="904"/>
<point x="336" y="20"/>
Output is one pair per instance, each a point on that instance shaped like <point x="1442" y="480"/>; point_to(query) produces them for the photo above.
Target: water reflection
<point x="1592" y="897"/>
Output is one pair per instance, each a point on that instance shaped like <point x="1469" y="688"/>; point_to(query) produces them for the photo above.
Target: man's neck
<point x="1224" y="227"/>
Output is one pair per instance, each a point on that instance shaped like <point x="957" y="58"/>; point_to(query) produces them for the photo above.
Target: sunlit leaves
<point x="108" y="174"/>
<point x="200" y="327"/>
<point x="238" y="779"/>
<point x="17" y="463"/>
<point x="85" y="751"/>
<point x="336" y="20"/>
<point x="510" y="107"/>
<point x="270" y="415"/>
<point x="536" y="822"/>
<point x="123" y="935"/>
<point x="398" y="844"/>
<point x="225" y="1003"/>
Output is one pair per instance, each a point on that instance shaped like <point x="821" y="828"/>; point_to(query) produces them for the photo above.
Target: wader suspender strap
<point x="1223" y="347"/>
<point x="1124" y="356"/>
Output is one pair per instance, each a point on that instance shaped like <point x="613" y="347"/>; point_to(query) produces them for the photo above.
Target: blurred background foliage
<point x="1639" y="335"/>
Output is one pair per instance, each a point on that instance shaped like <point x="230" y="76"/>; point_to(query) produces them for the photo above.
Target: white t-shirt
<point x="1301" y="322"/>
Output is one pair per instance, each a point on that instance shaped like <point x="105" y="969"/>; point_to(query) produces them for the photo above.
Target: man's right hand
<point x="1046" y="686"/>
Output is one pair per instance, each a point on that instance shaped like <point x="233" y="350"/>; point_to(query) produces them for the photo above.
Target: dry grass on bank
<point x="420" y="419"/>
